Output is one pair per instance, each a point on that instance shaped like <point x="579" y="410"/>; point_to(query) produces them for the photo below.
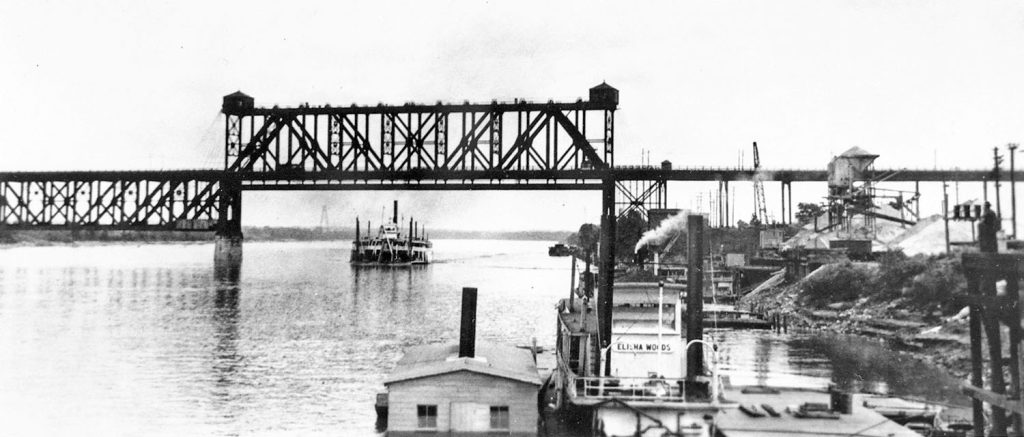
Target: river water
<point x="126" y="339"/>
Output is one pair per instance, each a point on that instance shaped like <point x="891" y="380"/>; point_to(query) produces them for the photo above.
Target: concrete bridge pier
<point x="227" y="262"/>
<point x="228" y="242"/>
<point x="227" y="257"/>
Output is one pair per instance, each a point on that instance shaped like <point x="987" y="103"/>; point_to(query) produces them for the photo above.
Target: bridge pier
<point x="787" y="202"/>
<point x="728" y="219"/>
<point x="228" y="242"/>
<point x="227" y="260"/>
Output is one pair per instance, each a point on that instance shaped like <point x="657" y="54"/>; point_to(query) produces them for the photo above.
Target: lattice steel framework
<point x="497" y="136"/>
<point x="640" y="195"/>
<point x="120" y="201"/>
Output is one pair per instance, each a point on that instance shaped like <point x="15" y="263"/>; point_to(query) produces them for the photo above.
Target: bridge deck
<point x="440" y="178"/>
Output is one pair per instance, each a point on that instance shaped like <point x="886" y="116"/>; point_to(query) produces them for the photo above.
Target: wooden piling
<point x="989" y="311"/>
<point x="1012" y="290"/>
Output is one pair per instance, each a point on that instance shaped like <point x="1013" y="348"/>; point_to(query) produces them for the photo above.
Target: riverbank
<point x="916" y="304"/>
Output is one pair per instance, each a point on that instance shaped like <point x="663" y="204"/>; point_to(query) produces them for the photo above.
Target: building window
<point x="426" y="416"/>
<point x="499" y="417"/>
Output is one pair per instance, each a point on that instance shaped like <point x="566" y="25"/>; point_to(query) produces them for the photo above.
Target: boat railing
<point x="592" y="389"/>
<point x="639" y="389"/>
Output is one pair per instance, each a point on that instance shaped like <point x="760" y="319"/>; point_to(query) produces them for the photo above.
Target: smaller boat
<point x="390" y="247"/>
<point x="559" y="249"/>
<point x="727" y="316"/>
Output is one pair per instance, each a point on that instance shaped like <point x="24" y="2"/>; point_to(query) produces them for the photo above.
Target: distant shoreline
<point x="20" y="238"/>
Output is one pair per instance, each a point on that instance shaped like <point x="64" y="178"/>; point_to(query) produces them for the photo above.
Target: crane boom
<point x="760" y="206"/>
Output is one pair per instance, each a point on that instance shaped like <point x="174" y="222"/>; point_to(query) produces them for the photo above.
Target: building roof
<point x="603" y="86"/>
<point x="492" y="359"/>
<point x="857" y="152"/>
<point x="238" y="94"/>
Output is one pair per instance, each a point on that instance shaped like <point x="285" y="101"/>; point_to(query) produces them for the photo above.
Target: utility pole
<point x="945" y="212"/>
<point x="1013" y="190"/>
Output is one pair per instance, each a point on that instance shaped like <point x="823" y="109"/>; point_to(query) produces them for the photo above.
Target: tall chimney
<point x="467" y="335"/>
<point x="357" y="233"/>
<point x="394" y="218"/>
<point x="694" y="294"/>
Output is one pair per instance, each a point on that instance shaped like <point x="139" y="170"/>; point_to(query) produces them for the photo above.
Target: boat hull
<point x="402" y="255"/>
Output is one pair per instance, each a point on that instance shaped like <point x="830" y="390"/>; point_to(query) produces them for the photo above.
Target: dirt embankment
<point x="916" y="303"/>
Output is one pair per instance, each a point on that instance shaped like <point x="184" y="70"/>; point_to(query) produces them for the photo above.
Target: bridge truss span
<point x="487" y="137"/>
<point x="186" y="201"/>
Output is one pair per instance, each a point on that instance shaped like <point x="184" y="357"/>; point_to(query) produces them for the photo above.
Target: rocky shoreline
<point x="938" y="336"/>
<point x="946" y="345"/>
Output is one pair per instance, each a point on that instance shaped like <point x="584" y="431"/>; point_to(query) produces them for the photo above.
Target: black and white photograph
<point x="715" y="218"/>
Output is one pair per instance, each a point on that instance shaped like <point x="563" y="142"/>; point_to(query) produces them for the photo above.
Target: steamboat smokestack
<point x="694" y="295"/>
<point x="467" y="335"/>
<point x="357" y="232"/>
<point x="394" y="217"/>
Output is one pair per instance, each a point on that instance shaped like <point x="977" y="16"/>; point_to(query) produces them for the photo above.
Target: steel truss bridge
<point x="493" y="146"/>
<point x="209" y="200"/>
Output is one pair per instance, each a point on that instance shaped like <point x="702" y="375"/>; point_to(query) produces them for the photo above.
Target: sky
<point x="138" y="85"/>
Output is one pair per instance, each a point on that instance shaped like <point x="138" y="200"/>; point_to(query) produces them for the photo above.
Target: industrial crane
<point x="760" y="206"/>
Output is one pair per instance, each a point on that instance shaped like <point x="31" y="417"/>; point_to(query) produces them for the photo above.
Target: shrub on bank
<point x="918" y="283"/>
<point x="895" y="269"/>
<point x="941" y="286"/>
<point x="835" y="283"/>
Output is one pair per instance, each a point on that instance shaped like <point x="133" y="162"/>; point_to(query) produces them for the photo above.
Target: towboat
<point x="639" y="384"/>
<point x="639" y="379"/>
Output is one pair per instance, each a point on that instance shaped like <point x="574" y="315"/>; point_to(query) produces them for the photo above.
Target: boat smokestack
<point x="694" y="295"/>
<point x="467" y="334"/>
<point x="357" y="232"/>
<point x="394" y="217"/>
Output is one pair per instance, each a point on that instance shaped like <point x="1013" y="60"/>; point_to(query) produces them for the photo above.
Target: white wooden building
<point x="434" y="389"/>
